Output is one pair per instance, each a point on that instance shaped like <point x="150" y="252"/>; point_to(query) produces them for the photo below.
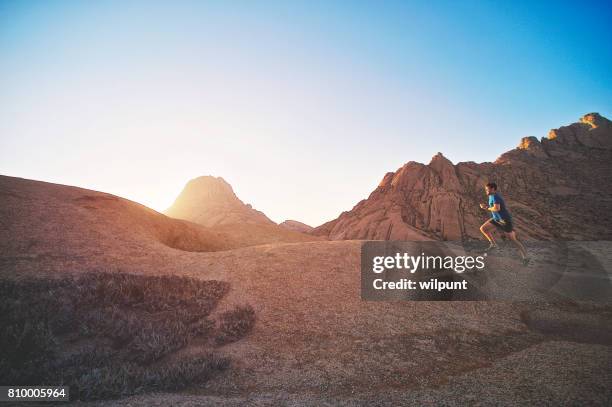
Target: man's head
<point x="491" y="188"/>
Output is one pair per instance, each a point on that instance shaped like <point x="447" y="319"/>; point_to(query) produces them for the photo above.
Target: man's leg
<point x="518" y="243"/>
<point x="486" y="229"/>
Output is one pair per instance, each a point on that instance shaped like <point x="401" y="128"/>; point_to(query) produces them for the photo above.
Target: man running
<point x="501" y="219"/>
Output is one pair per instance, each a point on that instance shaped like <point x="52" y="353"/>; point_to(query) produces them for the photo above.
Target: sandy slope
<point x="315" y="341"/>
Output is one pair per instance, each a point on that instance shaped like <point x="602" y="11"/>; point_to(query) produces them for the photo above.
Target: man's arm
<point x="494" y="208"/>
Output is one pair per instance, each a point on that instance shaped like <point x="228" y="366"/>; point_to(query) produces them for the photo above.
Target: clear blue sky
<point x="302" y="107"/>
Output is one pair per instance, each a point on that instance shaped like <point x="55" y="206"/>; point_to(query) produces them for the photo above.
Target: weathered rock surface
<point x="557" y="187"/>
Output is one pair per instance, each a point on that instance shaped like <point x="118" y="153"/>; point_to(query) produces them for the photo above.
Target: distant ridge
<point x="296" y="226"/>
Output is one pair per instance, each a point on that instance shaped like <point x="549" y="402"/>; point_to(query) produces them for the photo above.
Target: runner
<point x="501" y="219"/>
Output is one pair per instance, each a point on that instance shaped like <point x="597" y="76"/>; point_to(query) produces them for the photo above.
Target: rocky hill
<point x="556" y="187"/>
<point x="296" y="226"/>
<point x="211" y="201"/>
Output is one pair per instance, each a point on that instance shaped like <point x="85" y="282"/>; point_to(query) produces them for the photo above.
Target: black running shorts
<point x="505" y="225"/>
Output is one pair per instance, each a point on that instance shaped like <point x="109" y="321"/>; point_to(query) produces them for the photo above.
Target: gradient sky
<point x="302" y="107"/>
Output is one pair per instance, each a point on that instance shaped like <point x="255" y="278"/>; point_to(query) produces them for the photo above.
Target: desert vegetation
<point x="108" y="335"/>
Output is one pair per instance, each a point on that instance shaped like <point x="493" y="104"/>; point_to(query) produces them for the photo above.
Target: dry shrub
<point x="235" y="324"/>
<point x="110" y="334"/>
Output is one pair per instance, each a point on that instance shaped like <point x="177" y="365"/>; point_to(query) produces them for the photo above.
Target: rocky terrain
<point x="556" y="188"/>
<point x="315" y="342"/>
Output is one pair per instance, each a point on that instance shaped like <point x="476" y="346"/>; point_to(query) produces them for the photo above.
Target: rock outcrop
<point x="557" y="187"/>
<point x="211" y="201"/>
